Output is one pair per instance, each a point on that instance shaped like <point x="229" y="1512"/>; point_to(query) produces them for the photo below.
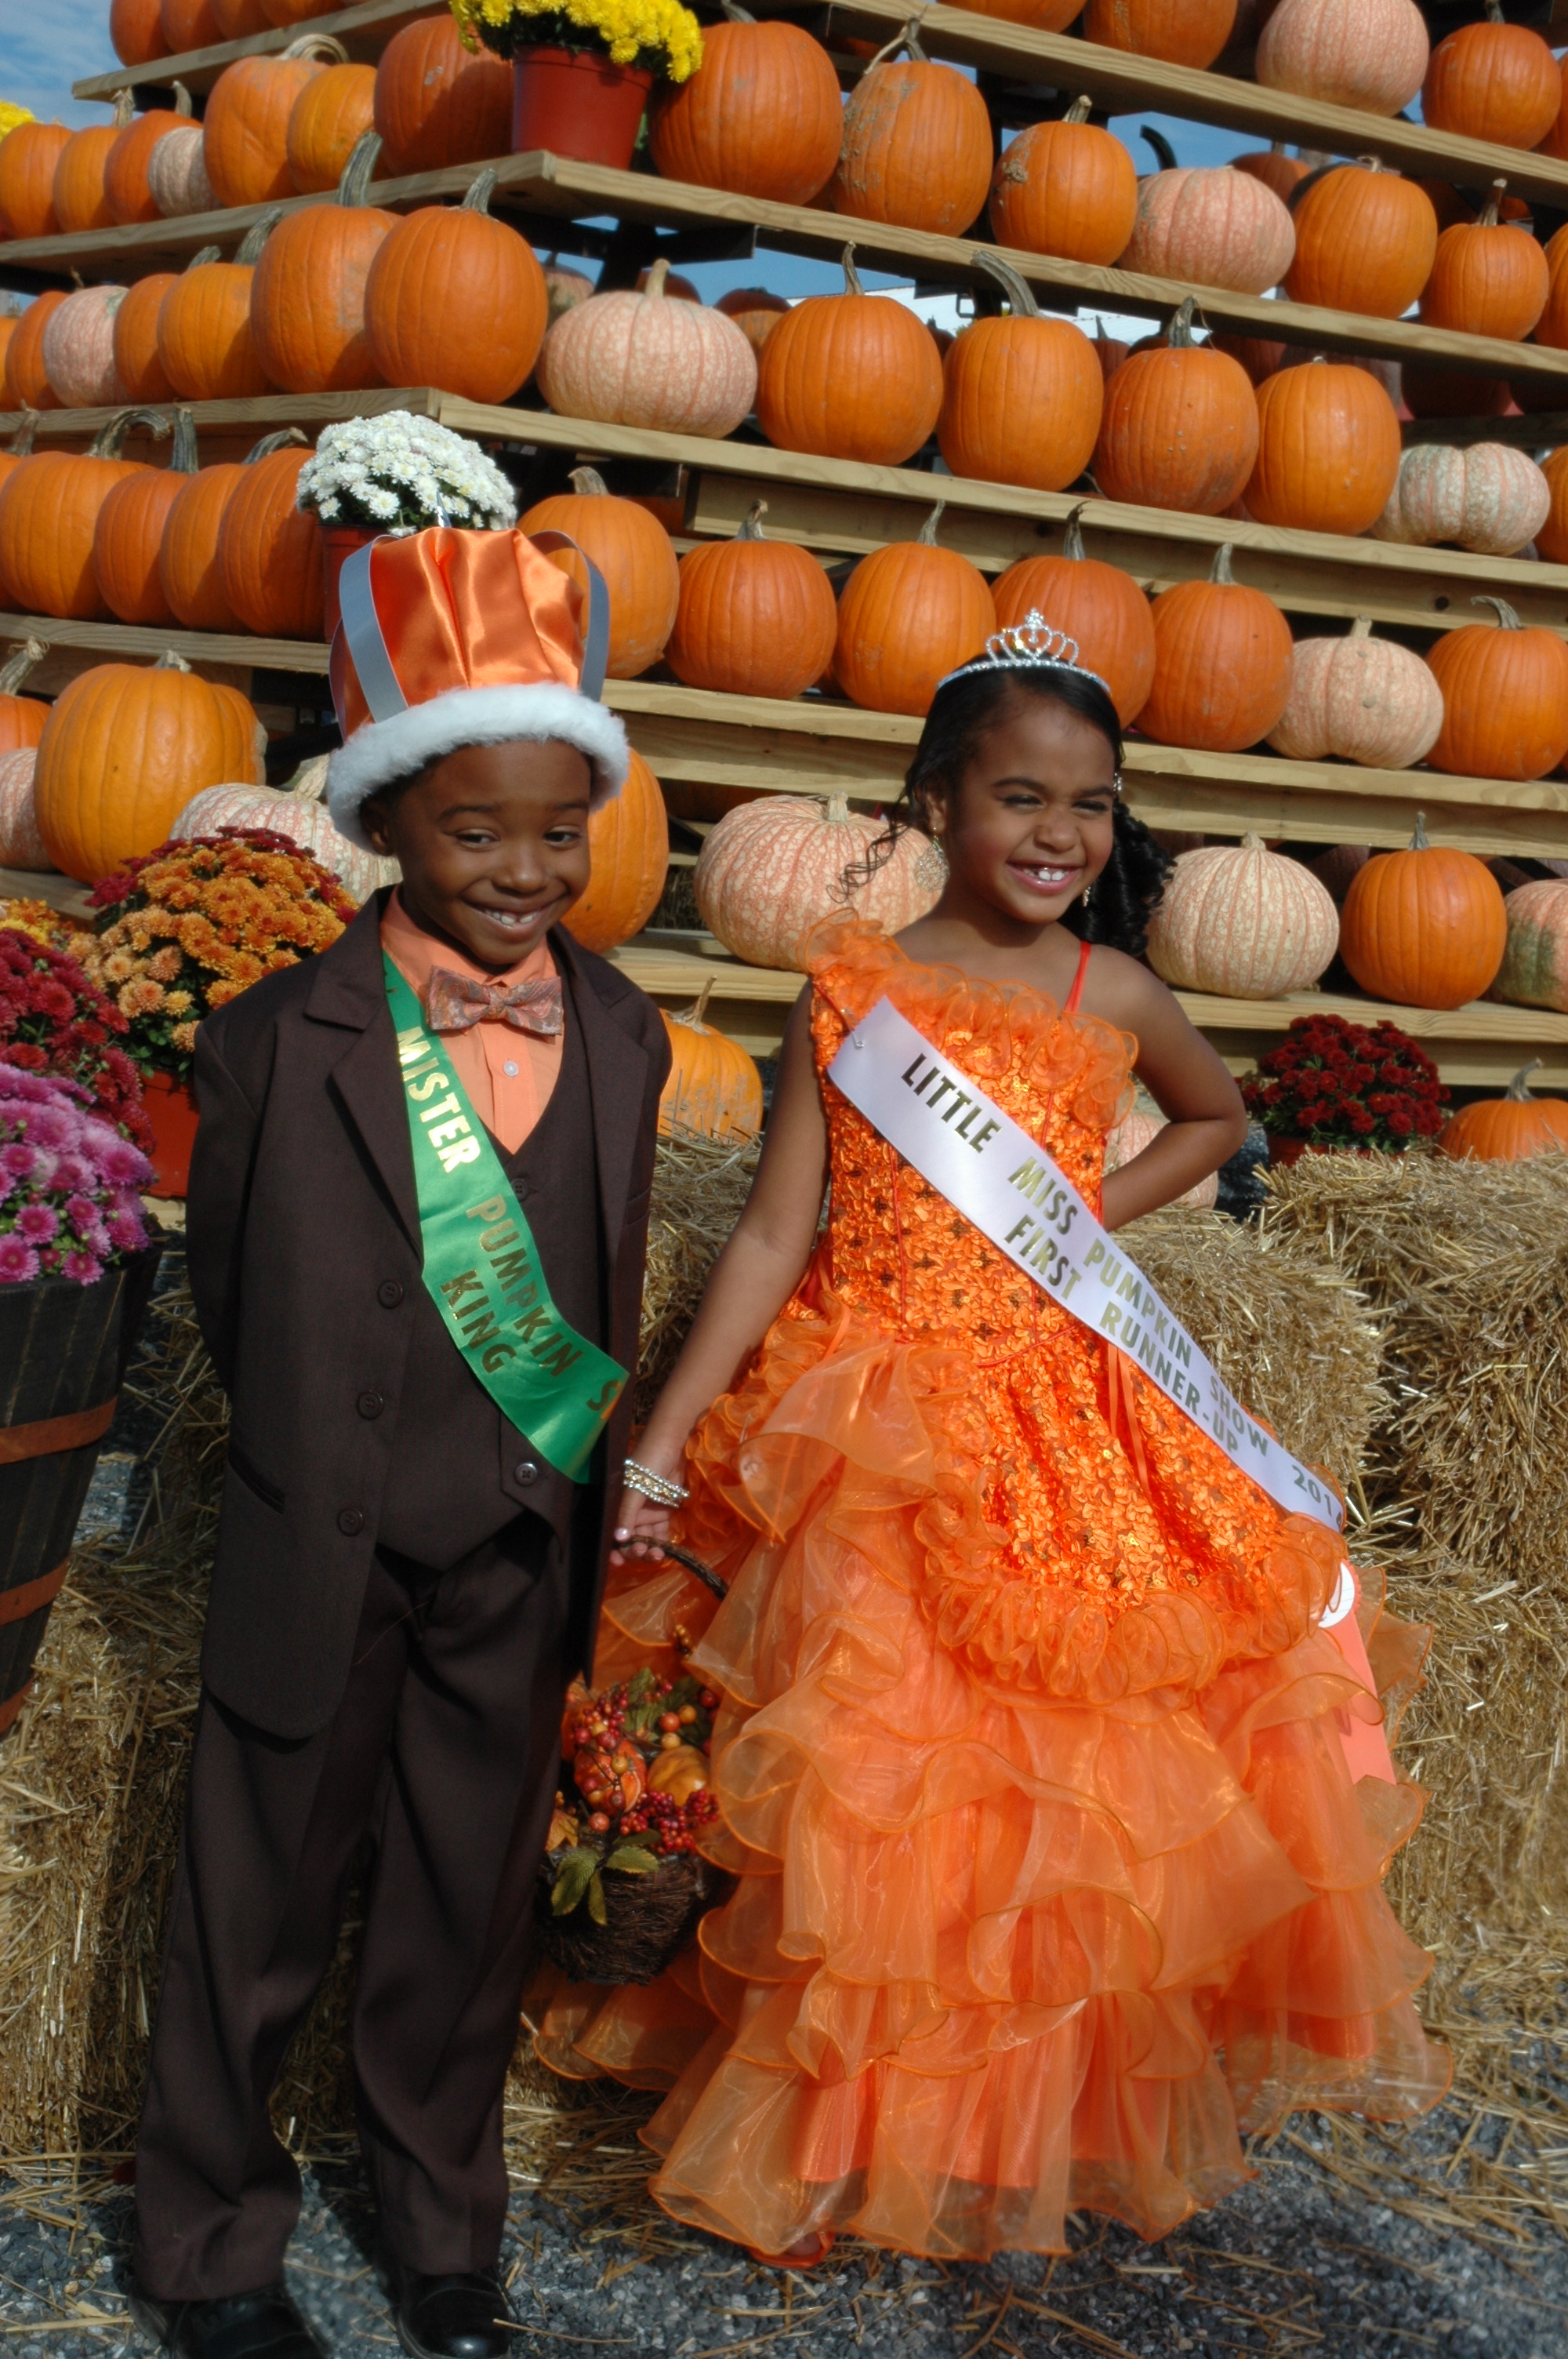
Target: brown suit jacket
<point x="303" y="1236"/>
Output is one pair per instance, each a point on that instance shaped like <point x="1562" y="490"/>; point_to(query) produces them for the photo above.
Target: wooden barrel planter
<point x="63" y="1350"/>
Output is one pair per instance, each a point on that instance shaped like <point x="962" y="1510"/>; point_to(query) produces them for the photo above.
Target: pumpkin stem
<point x="109" y="443"/>
<point x="1164" y="154"/>
<point x="1371" y="163"/>
<point x="736" y="14"/>
<point x="318" y="45"/>
<point x="1253" y="843"/>
<point x="125" y="107"/>
<point x="1220" y="569"/>
<point x="271" y="443"/>
<point x="256" y="236"/>
<point x="926" y="537"/>
<point x="589" y="483"/>
<point x="22" y="441"/>
<point x="308" y="784"/>
<point x="183" y="460"/>
<point x="1495" y="11"/>
<point x="1020" y="301"/>
<point x="182" y="100"/>
<point x="851" y="276"/>
<point x="836" y="811"/>
<point x="169" y="661"/>
<point x="1418" y="840"/>
<point x="360" y="169"/>
<point x="1516" y="1091"/>
<point x="1488" y="216"/>
<point x="658" y="275"/>
<point x="1179" y="334"/>
<point x="1361" y="628"/>
<point x="481" y="192"/>
<point x="694" y="1015"/>
<point x="906" y="39"/>
<point x="14" y="670"/>
<point x="751" y="530"/>
<point x="1079" y="111"/>
<point x="204" y="254"/>
<point x="1507" y="618"/>
<point x="1073" y="538"/>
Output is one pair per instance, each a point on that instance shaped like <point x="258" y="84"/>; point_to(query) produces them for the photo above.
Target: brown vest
<point x="458" y="1471"/>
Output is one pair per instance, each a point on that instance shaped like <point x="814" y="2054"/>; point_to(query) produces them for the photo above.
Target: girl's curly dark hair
<point x="1127" y="891"/>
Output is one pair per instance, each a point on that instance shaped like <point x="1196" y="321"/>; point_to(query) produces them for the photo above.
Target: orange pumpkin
<point x="191" y="25"/>
<point x="48" y="511"/>
<point x="633" y="551"/>
<point x="188" y="555"/>
<point x="457" y="299"/>
<point x="122" y="752"/>
<point x="437" y="103"/>
<point x="126" y="187"/>
<point x="1021" y="397"/>
<point x="1328" y="448"/>
<point x="1223" y="664"/>
<point x="1066" y="188"/>
<point x="21" y="717"/>
<point x="295" y="12"/>
<point x="609" y="1777"/>
<point x="1494" y="81"/>
<point x="909" y="614"/>
<point x="205" y="347"/>
<point x="135" y="31"/>
<point x="714" y="1087"/>
<point x="137" y="362"/>
<point x="1097" y="605"/>
<point x="629" y="846"/>
<point x="1505" y="697"/>
<point x="1489" y="278"/>
<point x="1551" y="328"/>
<point x="1184" y="32"/>
<point x="1452" y="393"/>
<point x="26" y="380"/>
<point x="1180" y="427"/>
<point x="851" y="376"/>
<point x="756" y="618"/>
<point x="245" y="129"/>
<point x="80" y="200"/>
<point x="307" y="298"/>
<point x="270" y="552"/>
<point x="1275" y="167"/>
<point x="128" y="536"/>
<point x="762" y="116"/>
<point x="1426" y="928"/>
<point x="327" y="119"/>
<point x="1366" y="240"/>
<point x="28" y="154"/>
<point x="1510" y="1128"/>
<point x="239" y="19"/>
<point x="917" y="147"/>
<point x="754" y="312"/>
<point x="681" y="1772"/>
<point x="1257" y="354"/>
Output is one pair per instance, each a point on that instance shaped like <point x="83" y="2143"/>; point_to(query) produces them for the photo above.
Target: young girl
<point x="1053" y="1875"/>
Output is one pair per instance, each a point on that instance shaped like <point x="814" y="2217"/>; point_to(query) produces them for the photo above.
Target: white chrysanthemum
<point x="404" y="473"/>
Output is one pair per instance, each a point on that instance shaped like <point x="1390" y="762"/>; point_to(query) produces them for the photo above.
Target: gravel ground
<point x="1291" y="2264"/>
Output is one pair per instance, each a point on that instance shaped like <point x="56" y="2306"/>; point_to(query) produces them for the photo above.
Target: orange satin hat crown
<point x="452" y="638"/>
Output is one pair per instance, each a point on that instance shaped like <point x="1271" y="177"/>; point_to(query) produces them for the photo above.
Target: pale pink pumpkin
<point x="177" y="174"/>
<point x="644" y="360"/>
<point x="1208" y="226"/>
<point x="1243" y="922"/>
<point x="771" y="868"/>
<point x="1490" y="498"/>
<point x="294" y="810"/>
<point x="1534" y="972"/>
<point x="1370" y="54"/>
<point x="21" y="843"/>
<point x="1360" y="698"/>
<point x="79" y="349"/>
<point x="1138" y="1130"/>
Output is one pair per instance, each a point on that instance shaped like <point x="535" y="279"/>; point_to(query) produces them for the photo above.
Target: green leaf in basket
<point x="577" y="1868"/>
<point x="639" y="1685"/>
<point x="633" y="1859"/>
<point x="596" y="1907"/>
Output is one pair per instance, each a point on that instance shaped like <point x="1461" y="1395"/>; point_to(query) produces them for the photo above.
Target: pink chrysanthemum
<point x="18" y="1262"/>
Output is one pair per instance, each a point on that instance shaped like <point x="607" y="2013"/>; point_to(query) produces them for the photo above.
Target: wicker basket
<point x="650" y="1919"/>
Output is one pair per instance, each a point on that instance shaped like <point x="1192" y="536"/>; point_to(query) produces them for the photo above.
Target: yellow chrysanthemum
<point x="11" y="116"/>
<point x="628" y="28"/>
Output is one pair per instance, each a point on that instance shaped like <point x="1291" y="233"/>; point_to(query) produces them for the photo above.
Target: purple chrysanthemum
<point x="18" y="1262"/>
<point x="18" y="1159"/>
<point x="82" y="1268"/>
<point x="127" y="1233"/>
<point x="38" y="1223"/>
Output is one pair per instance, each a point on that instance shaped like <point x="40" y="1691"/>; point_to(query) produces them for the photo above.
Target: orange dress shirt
<point x="508" y="1074"/>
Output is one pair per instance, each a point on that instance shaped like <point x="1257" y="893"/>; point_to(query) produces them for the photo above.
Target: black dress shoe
<point x="464" y="2316"/>
<point x="260" y="2325"/>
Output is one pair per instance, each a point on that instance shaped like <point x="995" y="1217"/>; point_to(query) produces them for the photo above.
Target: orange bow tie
<point x="454" y="1003"/>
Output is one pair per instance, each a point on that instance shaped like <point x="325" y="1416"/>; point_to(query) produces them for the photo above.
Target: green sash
<point x="482" y="1265"/>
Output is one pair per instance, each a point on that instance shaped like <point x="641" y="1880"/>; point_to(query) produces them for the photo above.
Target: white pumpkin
<point x="79" y="349"/>
<point x="177" y="174"/>
<point x="296" y="810"/>
<point x="1360" y="698"/>
<point x="1132" y="1133"/>
<point x="1489" y="499"/>
<point x="649" y="360"/>
<point x="1205" y="225"/>
<point x="1370" y="54"/>
<point x="771" y="868"/>
<point x="1242" y="922"/>
<point x="21" y="845"/>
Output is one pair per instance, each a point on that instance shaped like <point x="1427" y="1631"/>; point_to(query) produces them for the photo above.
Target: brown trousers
<point x="438" y="1770"/>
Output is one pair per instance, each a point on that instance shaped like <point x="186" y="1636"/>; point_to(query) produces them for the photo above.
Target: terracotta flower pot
<point x="339" y="542"/>
<point x="575" y="103"/>
<point x="171" y="1110"/>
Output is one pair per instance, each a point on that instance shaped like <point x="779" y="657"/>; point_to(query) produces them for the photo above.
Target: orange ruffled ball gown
<point x="1052" y="1875"/>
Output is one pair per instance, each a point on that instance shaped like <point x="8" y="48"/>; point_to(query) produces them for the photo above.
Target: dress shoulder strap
<point x="1070" y="1004"/>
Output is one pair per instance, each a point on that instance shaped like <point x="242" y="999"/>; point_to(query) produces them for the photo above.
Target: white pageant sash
<point x="1002" y="1180"/>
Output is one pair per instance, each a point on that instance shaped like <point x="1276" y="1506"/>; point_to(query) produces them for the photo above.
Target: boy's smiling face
<point x="492" y="841"/>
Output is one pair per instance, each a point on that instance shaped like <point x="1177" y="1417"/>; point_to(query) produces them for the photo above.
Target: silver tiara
<point x="1029" y="646"/>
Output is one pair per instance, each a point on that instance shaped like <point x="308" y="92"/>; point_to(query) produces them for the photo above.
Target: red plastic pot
<point x="171" y="1110"/>
<point x="575" y="102"/>
<point x="339" y="542"/>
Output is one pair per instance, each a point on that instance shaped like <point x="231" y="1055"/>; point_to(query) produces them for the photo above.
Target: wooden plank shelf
<point x="1479" y="1044"/>
<point x="552" y="190"/>
<point x="1544" y="430"/>
<point x="1117" y="82"/>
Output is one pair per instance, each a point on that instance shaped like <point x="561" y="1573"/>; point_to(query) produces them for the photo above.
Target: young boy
<point x="418" y="1218"/>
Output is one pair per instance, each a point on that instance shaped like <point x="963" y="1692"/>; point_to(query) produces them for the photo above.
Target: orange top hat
<point x="452" y="639"/>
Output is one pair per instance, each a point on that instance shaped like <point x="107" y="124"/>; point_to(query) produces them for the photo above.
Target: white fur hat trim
<point x="383" y="750"/>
